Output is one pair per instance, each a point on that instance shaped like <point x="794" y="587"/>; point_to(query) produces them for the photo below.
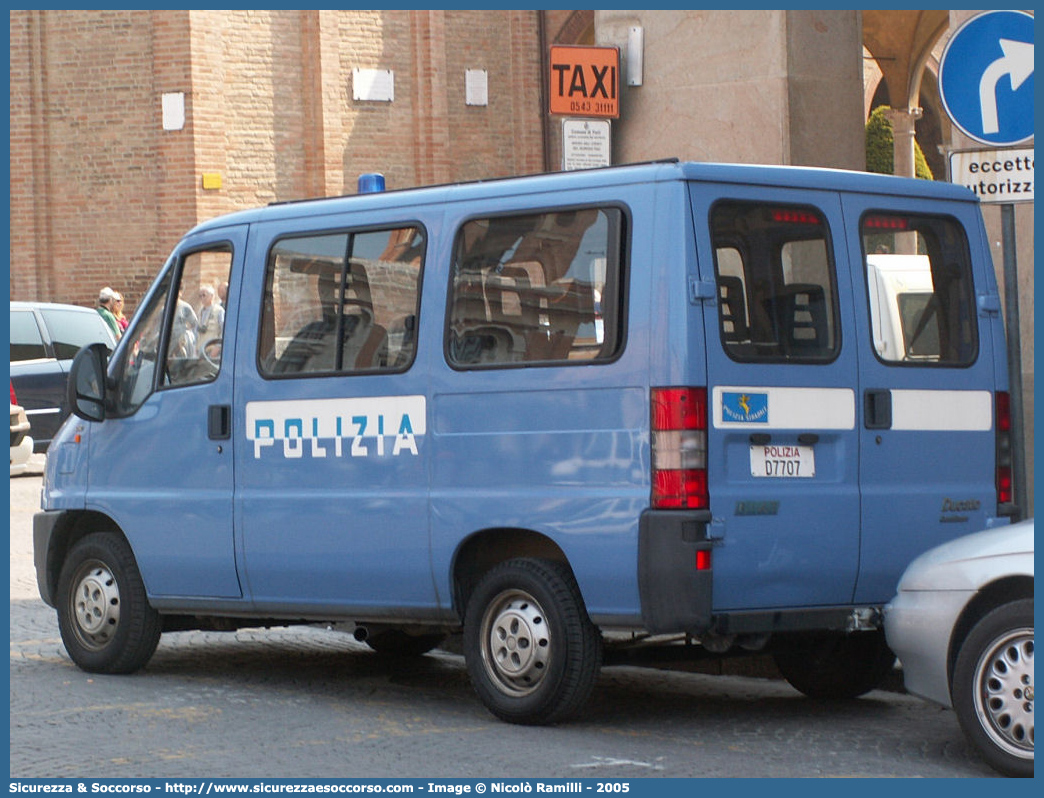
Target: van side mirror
<point x="86" y="388"/>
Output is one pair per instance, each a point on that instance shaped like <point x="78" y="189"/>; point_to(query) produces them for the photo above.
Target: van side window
<point x="340" y="303"/>
<point x="139" y="353"/>
<point x="536" y="288"/>
<point x="197" y="329"/>
<point x="777" y="294"/>
<point x="919" y="282"/>
<point x="192" y="353"/>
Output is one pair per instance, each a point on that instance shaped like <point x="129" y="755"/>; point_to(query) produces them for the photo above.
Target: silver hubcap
<point x="1004" y="692"/>
<point x="516" y="643"/>
<point x="96" y="605"/>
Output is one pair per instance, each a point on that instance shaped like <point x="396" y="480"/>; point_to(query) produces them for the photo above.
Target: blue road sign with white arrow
<point x="986" y="78"/>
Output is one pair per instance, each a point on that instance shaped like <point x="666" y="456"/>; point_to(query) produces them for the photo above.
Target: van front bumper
<point x="44" y="524"/>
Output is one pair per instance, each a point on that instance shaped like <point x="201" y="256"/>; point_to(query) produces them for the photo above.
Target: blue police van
<point x="664" y="404"/>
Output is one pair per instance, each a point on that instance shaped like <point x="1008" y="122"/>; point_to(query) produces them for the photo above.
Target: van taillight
<point x="1005" y="489"/>
<point x="679" y="448"/>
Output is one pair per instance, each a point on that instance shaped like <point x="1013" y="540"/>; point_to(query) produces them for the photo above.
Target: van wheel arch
<point x="73" y="528"/>
<point x="488" y="548"/>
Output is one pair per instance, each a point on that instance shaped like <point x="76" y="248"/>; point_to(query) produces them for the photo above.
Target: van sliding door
<point x="331" y="472"/>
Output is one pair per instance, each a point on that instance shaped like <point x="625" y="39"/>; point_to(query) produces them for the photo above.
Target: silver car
<point x="962" y="627"/>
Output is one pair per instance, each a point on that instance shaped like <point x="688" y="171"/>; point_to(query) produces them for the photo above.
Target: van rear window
<point x="540" y="288"/>
<point x="345" y="302"/>
<point x="777" y="295"/>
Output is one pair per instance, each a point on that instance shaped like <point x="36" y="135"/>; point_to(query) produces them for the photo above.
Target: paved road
<point x="298" y="703"/>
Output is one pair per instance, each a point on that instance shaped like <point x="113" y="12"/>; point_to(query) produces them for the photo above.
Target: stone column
<point x="903" y="132"/>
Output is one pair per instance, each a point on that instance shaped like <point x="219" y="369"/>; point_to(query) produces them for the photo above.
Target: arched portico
<point x="901" y="43"/>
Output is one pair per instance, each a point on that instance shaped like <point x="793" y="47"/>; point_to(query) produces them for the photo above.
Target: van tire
<point x="835" y="665"/>
<point x="532" y="653"/>
<point x="104" y="616"/>
<point x="399" y="644"/>
<point x="993" y="670"/>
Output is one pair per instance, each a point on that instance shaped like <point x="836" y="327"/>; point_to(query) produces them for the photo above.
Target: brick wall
<point x="25" y="128"/>
<point x="83" y="157"/>
<point x="100" y="193"/>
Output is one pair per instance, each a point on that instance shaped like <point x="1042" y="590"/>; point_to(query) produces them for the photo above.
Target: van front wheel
<point x="104" y="616"/>
<point x="532" y="653"/>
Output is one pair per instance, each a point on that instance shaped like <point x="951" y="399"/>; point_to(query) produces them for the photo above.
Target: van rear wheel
<point x="835" y="665"/>
<point x="104" y="616"/>
<point x="532" y="653"/>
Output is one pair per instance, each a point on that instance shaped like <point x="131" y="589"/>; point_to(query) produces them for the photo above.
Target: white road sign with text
<point x="995" y="175"/>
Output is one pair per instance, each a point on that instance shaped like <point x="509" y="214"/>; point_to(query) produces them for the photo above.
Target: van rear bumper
<point x="675" y="596"/>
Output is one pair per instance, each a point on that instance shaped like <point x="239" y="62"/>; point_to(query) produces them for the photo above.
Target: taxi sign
<point x="585" y="81"/>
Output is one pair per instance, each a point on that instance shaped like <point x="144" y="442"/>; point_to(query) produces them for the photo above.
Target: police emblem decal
<point x="744" y="407"/>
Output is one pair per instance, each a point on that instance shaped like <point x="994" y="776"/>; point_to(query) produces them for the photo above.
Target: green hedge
<point x="880" y="147"/>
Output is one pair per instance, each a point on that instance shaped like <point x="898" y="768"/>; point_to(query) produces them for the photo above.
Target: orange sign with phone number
<point x="585" y="81"/>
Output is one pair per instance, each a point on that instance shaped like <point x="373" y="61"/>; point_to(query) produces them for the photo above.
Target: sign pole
<point x="986" y="86"/>
<point x="1012" y="330"/>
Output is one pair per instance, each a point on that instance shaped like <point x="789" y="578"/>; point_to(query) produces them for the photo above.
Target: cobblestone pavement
<point x="307" y="702"/>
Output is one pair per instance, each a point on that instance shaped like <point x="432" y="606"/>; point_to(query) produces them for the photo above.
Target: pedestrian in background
<point x="211" y="315"/>
<point x="117" y="311"/>
<point x="106" y="301"/>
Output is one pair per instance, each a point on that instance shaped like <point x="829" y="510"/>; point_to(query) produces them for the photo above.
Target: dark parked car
<point x="45" y="337"/>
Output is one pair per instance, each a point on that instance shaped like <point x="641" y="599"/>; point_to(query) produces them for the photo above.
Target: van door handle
<point x="877" y="408"/>
<point x="219" y="422"/>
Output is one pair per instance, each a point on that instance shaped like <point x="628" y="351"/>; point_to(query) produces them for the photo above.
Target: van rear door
<point x="929" y="364"/>
<point x="782" y="448"/>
